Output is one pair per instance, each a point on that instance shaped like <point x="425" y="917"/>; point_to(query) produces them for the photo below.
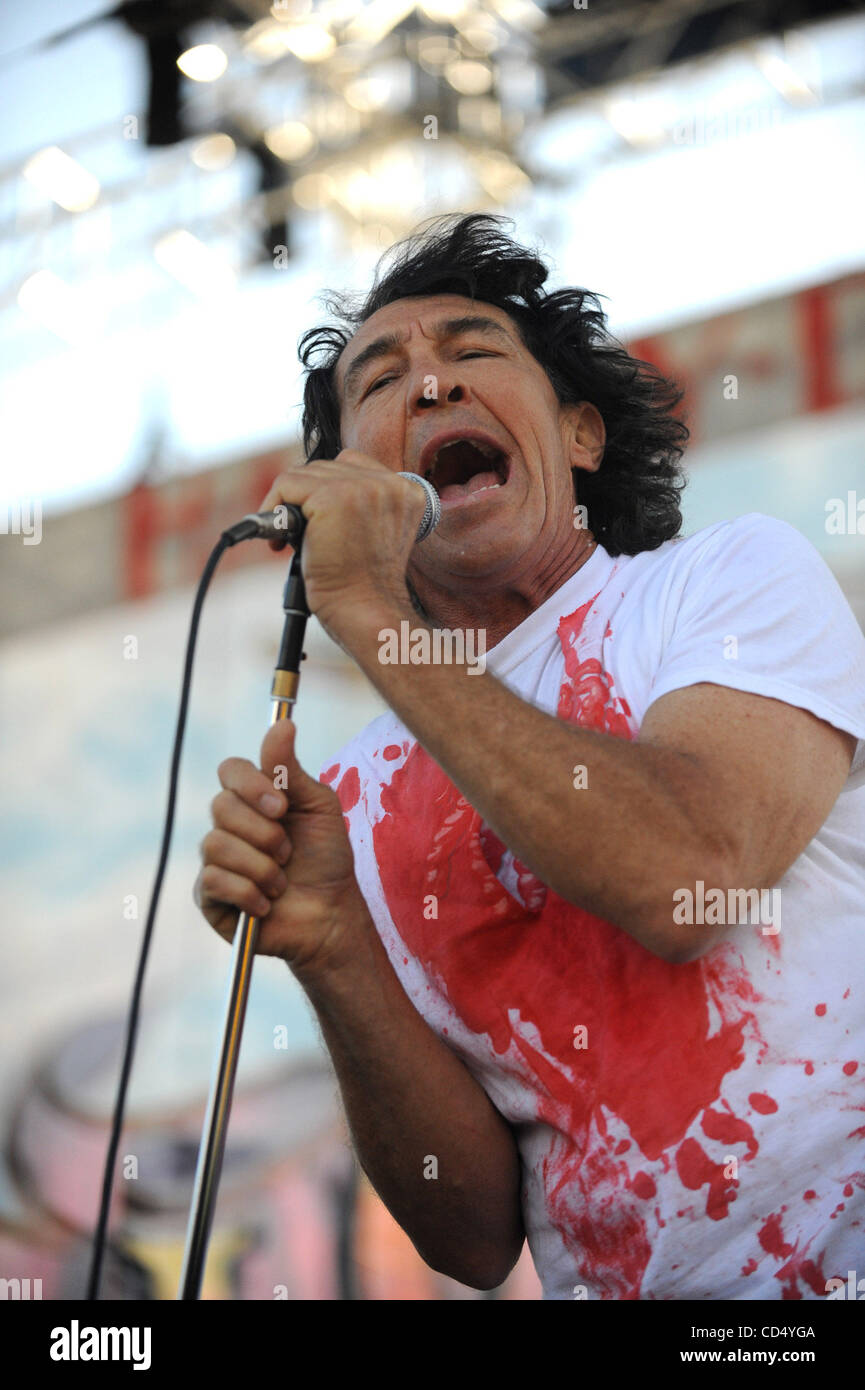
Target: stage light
<point x="310" y="42"/>
<point x="389" y="85"/>
<point x="286" y="11"/>
<point x="377" y="19"/>
<point x="787" y="78"/>
<point x="481" y="116"/>
<point x="213" y="152"/>
<point x="265" y="42"/>
<point x="62" y="179"/>
<point x="445" y="11"/>
<point x="313" y="191"/>
<point x="520" y="14"/>
<point x="469" y="77"/>
<point x="290" y="140"/>
<point x="204" y="63"/>
<point x="481" y="31"/>
<point x="501" y="178"/>
<point x="434" y="52"/>
<point x="193" y="264"/>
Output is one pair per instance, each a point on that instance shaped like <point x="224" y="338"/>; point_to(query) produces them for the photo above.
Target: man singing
<point x="582" y="923"/>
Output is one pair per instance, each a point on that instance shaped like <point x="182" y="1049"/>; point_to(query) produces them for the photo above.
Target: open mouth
<point x="466" y="467"/>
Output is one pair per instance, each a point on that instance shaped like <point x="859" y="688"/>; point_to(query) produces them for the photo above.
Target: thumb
<point x="279" y="762"/>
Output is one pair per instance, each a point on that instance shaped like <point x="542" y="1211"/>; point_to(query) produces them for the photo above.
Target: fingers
<point x="306" y="477"/>
<point x="253" y="786"/>
<point x="232" y="814"/>
<point x="217" y="886"/>
<point x="225" y="851"/>
<point x="297" y="485"/>
<point x="243" y="854"/>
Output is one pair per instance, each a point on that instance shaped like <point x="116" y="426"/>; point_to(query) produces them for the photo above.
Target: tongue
<point x="480" y="480"/>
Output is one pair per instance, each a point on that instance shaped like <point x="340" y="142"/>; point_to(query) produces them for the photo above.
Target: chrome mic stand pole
<point x="284" y="695"/>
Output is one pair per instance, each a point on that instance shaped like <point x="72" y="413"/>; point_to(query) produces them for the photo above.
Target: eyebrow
<point x="445" y="328"/>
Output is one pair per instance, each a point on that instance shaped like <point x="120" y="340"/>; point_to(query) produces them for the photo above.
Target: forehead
<point x="407" y="317"/>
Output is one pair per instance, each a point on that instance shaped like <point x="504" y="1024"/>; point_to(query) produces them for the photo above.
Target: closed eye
<point x="383" y="380"/>
<point x="376" y="384"/>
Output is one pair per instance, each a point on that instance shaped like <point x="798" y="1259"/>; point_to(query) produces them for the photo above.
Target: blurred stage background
<point x="178" y="182"/>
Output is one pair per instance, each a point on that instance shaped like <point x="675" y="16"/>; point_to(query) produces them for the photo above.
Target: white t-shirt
<point x="689" y="1131"/>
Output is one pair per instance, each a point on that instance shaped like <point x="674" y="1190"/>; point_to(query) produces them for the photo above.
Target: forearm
<point x="618" y="845"/>
<point x="409" y="1100"/>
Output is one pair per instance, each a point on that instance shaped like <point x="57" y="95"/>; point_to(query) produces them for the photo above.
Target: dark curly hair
<point x="633" y="499"/>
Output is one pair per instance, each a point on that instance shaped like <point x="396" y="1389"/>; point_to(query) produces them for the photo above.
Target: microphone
<point x="287" y="522"/>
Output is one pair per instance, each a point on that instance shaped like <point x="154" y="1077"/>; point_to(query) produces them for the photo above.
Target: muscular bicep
<point x="764" y="774"/>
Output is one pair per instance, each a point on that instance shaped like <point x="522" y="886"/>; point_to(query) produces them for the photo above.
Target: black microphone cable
<point x="285" y="523"/>
<point x="268" y="526"/>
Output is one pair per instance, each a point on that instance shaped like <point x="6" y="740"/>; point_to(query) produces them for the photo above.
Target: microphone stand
<point x="283" y="693"/>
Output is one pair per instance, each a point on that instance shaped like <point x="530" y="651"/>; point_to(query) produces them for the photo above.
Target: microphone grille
<point x="433" y="511"/>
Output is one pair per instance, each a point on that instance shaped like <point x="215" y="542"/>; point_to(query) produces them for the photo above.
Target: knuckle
<point x="208" y="881"/>
<point x="275" y="837"/>
<point x="252" y="901"/>
<point x="273" y="881"/>
<point x="210" y="845"/>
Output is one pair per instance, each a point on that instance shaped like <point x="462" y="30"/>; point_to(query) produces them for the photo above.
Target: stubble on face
<point x="497" y="558"/>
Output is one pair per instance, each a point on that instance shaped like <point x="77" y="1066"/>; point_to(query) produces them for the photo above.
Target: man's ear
<point x="585" y="436"/>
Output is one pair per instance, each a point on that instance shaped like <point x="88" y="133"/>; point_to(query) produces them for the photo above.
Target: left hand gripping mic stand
<point x="283" y="693"/>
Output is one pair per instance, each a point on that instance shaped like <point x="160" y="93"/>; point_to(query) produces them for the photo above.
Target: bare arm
<point x="721" y="786"/>
<point x="406" y="1093"/>
<point x="410" y="1099"/>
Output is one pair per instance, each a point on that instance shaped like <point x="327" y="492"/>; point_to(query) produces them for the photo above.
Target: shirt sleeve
<point x="756" y="608"/>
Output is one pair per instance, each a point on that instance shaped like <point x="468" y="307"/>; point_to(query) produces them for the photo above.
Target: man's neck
<point x="498" y="612"/>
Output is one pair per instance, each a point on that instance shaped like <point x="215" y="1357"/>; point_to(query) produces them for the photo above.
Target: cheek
<point x="375" y="431"/>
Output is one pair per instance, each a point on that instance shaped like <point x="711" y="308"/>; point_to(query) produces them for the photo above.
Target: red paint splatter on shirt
<point x="762" y="1103"/>
<point x="586" y="695"/>
<point x="348" y="790"/>
<point x="728" y="1129"/>
<point x="749" y="1267"/>
<point x="697" y="1170"/>
<point x="392" y="751"/>
<point x="849" y="1068"/>
<point x="820" y="1010"/>
<point x="661" y="1037"/>
<point x="771" y="1237"/>
<point x="809" y="1068"/>
<point x="644" y="1186"/>
<point x="327" y="777"/>
<point x="809" y="1195"/>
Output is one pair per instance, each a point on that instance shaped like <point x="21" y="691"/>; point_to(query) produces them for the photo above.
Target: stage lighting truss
<point x="361" y="112"/>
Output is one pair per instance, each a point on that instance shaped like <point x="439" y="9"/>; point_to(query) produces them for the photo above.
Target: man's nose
<point x="433" y="389"/>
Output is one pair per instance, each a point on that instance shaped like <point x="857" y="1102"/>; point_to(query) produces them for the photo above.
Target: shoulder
<point x="739" y="558"/>
<point x="753" y="534"/>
